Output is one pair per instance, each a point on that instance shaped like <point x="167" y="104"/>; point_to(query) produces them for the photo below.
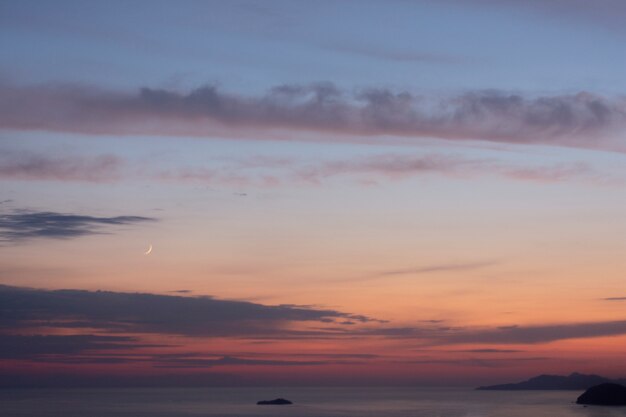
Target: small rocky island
<point x="277" y="401"/>
<point x="604" y="394"/>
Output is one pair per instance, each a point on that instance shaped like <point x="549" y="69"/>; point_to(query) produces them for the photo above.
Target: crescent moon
<point x="148" y="251"/>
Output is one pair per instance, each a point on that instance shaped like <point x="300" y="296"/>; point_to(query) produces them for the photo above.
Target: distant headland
<point x="574" y="381"/>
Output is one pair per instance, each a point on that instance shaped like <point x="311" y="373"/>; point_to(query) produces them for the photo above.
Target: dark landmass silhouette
<point x="574" y="381"/>
<point x="277" y="401"/>
<point x="604" y="394"/>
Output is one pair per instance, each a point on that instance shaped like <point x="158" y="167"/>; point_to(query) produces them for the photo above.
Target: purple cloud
<point x="582" y="119"/>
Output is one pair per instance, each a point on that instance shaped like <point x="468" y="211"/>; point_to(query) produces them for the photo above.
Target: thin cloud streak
<point x="438" y="268"/>
<point x="582" y="120"/>
<point x="428" y="269"/>
<point x="538" y="334"/>
<point x="481" y="362"/>
<point x="229" y="361"/>
<point x="272" y="172"/>
<point x="385" y="167"/>
<point x="607" y="14"/>
<point x="40" y="347"/>
<point x="397" y="55"/>
<point x="399" y="166"/>
<point x="490" y="351"/>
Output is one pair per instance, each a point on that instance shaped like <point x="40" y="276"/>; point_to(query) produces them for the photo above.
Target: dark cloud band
<point x="151" y="313"/>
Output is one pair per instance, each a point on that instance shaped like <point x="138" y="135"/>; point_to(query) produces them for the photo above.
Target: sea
<point x="308" y="402"/>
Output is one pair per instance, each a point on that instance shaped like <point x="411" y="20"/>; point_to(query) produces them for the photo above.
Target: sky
<point x="334" y="193"/>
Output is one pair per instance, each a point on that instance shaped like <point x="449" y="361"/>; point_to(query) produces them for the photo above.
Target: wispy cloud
<point x="491" y="350"/>
<point x="615" y="299"/>
<point x="582" y="119"/>
<point x="22" y="225"/>
<point x="400" y="55"/>
<point x="427" y="269"/>
<point x="230" y="360"/>
<point x="539" y="333"/>
<point x="29" y="165"/>
<point x="438" y="268"/>
<point x="440" y="334"/>
<point x="391" y="167"/>
<point x="67" y="351"/>
<point x="274" y="172"/>
<point x="481" y="362"/>
<point x="607" y="14"/>
<point x="16" y="346"/>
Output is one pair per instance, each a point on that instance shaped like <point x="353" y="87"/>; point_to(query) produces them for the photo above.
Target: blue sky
<point x="251" y="46"/>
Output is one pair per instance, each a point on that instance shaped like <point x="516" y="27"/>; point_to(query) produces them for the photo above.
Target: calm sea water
<point x="309" y="402"/>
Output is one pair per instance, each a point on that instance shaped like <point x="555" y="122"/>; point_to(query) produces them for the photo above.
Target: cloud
<point x="400" y="166"/>
<point x="438" y="268"/>
<point x="481" y="362"/>
<point x="22" y="225"/>
<point x="40" y="347"/>
<point x="22" y="308"/>
<point x="427" y="269"/>
<point x="491" y="351"/>
<point x="106" y="349"/>
<point x="25" y="165"/>
<point x="388" y="167"/>
<point x="438" y="334"/>
<point x="75" y="327"/>
<point x="229" y="360"/>
<point x="73" y="379"/>
<point x="138" y="313"/>
<point x="398" y="55"/>
<point x="70" y="350"/>
<point x="337" y="355"/>
<point x="582" y="119"/>
<point x="78" y="329"/>
<point x="537" y="334"/>
<point x="608" y="14"/>
<point x="615" y="299"/>
<point x="263" y="171"/>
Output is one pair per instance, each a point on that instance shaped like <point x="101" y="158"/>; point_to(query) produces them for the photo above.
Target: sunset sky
<point x="354" y="192"/>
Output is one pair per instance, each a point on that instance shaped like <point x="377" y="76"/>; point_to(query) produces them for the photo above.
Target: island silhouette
<point x="604" y="394"/>
<point x="277" y="401"/>
<point x="573" y="381"/>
